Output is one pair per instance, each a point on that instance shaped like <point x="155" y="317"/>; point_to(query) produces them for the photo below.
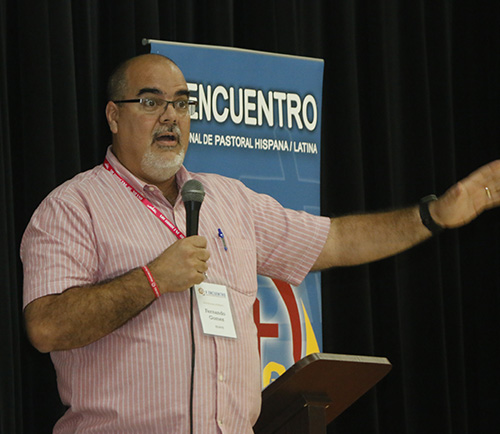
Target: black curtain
<point x="411" y="104"/>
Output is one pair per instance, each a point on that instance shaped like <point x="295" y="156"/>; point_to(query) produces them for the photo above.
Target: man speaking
<point x="108" y="268"/>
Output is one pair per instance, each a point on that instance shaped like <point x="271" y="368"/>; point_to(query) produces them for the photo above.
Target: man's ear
<point x="112" y="114"/>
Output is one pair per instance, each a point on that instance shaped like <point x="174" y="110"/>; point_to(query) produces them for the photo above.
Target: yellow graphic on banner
<point x="268" y="371"/>
<point x="311" y="341"/>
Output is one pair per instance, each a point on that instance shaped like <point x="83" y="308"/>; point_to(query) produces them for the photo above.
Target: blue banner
<point x="259" y="120"/>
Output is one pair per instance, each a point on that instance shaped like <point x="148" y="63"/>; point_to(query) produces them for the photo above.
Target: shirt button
<point x="150" y="188"/>
<point x="220" y="421"/>
<point x="221" y="377"/>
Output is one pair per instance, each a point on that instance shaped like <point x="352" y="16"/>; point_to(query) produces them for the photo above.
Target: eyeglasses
<point x="158" y="106"/>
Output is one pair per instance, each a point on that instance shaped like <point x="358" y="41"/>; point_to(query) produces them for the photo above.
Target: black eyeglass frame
<point x="191" y="104"/>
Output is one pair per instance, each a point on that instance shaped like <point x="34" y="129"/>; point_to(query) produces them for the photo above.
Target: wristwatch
<point x="425" y="215"/>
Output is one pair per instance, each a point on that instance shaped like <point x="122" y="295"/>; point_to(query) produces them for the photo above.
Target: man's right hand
<point x="181" y="265"/>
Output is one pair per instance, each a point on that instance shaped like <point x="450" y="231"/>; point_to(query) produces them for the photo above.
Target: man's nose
<point x="169" y="114"/>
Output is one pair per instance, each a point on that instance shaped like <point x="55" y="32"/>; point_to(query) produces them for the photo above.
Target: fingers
<point x="485" y="183"/>
<point x="181" y="265"/>
<point x="197" y="241"/>
<point x="470" y="197"/>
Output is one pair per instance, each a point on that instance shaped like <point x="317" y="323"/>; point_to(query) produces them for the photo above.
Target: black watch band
<point x="425" y="215"/>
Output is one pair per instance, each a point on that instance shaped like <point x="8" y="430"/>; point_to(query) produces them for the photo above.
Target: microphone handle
<point x="192" y="217"/>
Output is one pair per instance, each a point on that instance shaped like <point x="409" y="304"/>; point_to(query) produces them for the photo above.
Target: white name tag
<point x="215" y="310"/>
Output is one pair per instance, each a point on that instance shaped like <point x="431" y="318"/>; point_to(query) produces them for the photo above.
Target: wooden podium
<point x="314" y="391"/>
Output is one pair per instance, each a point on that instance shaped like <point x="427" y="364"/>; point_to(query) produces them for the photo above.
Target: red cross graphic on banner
<point x="264" y="330"/>
<point x="271" y="330"/>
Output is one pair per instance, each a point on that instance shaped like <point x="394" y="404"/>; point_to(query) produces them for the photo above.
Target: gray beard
<point x="158" y="169"/>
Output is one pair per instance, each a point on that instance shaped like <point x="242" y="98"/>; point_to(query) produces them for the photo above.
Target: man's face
<point x="151" y="145"/>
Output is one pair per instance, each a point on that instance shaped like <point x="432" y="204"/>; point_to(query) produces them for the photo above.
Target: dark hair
<point x="117" y="83"/>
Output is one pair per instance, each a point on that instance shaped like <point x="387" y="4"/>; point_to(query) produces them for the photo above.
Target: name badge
<point x="215" y="310"/>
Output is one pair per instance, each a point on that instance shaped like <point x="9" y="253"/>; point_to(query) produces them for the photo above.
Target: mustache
<point x="168" y="129"/>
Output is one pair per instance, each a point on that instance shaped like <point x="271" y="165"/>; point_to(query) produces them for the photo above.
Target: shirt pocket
<point x="233" y="263"/>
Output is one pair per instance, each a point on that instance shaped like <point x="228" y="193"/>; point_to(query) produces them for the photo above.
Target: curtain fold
<point x="10" y="357"/>
<point x="411" y="104"/>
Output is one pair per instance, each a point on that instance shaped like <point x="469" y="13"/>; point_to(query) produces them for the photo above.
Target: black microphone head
<point x="192" y="191"/>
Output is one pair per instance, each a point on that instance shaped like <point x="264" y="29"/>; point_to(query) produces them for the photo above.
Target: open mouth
<point x="167" y="139"/>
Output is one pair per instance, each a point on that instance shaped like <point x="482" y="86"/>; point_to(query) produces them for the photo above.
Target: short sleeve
<point x="288" y="241"/>
<point x="58" y="249"/>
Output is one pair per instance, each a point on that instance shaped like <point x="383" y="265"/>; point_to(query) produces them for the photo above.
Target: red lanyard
<point x="174" y="229"/>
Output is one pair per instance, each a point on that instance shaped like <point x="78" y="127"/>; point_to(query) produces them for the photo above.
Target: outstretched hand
<point x="468" y="198"/>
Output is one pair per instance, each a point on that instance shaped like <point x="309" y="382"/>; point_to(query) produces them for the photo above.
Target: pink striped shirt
<point x="136" y="379"/>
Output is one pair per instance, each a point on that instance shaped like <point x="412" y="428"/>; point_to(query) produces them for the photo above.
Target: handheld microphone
<point x="192" y="195"/>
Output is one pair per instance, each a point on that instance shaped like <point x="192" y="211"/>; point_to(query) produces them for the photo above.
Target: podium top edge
<point x="347" y="358"/>
<point x="339" y="358"/>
